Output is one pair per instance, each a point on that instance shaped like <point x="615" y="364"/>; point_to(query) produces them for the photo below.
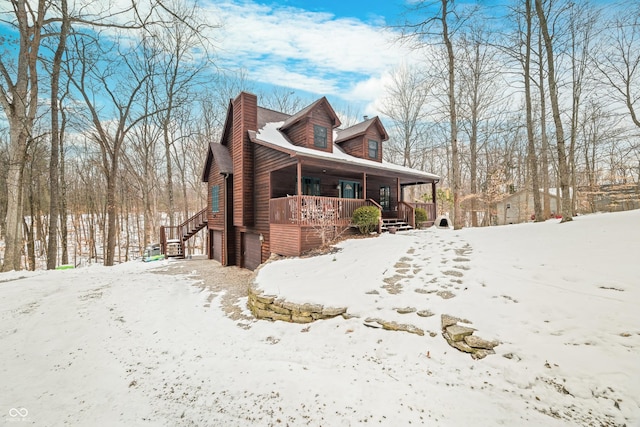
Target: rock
<point x="447" y="320"/>
<point x="301" y="319"/>
<point x="462" y="346"/>
<point x="393" y="326"/>
<point x="477" y="342"/>
<point x="425" y="313"/>
<point x="265" y="299"/>
<point x="309" y="308"/>
<point x="457" y="332"/>
<point x="257" y="304"/>
<point x="481" y="353"/>
<point x="333" y="311"/>
<point x="280" y="310"/>
<point x="405" y="310"/>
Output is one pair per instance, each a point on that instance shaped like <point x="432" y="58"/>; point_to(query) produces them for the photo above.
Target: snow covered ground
<point x="128" y="346"/>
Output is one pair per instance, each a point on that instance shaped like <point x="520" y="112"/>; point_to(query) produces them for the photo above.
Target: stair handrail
<point x="408" y="213"/>
<point x="376" y="204"/>
<point x="193" y="223"/>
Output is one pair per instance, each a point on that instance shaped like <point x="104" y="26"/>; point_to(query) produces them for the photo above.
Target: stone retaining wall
<point x="273" y="308"/>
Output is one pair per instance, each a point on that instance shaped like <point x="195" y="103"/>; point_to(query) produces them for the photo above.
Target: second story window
<point x="319" y="136"/>
<point x="373" y="149"/>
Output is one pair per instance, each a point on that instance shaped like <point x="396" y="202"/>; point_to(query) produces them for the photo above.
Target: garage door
<point x="217" y="246"/>
<point x="251" y="250"/>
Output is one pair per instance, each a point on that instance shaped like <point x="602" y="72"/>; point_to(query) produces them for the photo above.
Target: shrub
<point x="421" y="215"/>
<point x="366" y="218"/>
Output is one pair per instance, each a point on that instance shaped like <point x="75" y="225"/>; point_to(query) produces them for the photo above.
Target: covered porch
<point x="311" y="198"/>
<point x="335" y="211"/>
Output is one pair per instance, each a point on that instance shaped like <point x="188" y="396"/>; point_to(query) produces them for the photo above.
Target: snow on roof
<point x="270" y="135"/>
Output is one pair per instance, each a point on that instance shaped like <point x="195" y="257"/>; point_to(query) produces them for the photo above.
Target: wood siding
<point x="301" y="133"/>
<point x="267" y="162"/>
<point x="293" y="240"/>
<point x="245" y="117"/>
<point x="285" y="239"/>
<point x="359" y="146"/>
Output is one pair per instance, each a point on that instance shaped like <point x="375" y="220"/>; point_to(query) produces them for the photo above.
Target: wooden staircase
<point x="399" y="224"/>
<point x="172" y="239"/>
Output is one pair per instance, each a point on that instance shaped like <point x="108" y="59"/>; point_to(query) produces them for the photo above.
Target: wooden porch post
<point x="299" y="183"/>
<point x="433" y="197"/>
<point x="400" y="196"/>
<point x="364" y="185"/>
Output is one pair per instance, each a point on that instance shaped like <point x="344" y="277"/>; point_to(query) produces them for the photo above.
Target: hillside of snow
<point x="150" y="344"/>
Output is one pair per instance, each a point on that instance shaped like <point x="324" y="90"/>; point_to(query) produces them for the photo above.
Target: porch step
<point x="394" y="222"/>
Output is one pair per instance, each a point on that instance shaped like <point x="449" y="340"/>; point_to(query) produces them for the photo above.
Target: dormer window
<point x="319" y="136"/>
<point x="373" y="149"/>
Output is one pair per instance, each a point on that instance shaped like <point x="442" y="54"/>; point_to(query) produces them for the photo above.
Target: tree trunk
<point x="531" y="145"/>
<point x="555" y="107"/>
<point x="546" y="197"/>
<point x="112" y="213"/>
<point x="453" y="119"/>
<point x="52" y="245"/>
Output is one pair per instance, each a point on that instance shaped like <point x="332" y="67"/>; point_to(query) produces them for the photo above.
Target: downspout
<point x="225" y="251"/>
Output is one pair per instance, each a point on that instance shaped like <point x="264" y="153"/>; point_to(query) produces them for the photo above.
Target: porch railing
<point x="313" y="210"/>
<point x="318" y="210"/>
<point x="181" y="233"/>
<point x="406" y="212"/>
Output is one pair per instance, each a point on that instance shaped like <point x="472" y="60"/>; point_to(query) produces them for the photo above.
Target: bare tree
<point x="19" y="101"/>
<point x="284" y="100"/>
<point x="619" y="61"/>
<point x="181" y="57"/>
<point x="54" y="172"/>
<point x="531" y="146"/>
<point x="406" y="105"/>
<point x="110" y="127"/>
<point x="563" y="168"/>
<point x="479" y="72"/>
<point x="443" y="22"/>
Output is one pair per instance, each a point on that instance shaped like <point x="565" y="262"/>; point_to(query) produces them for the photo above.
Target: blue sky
<point x="338" y="49"/>
<point x="373" y="11"/>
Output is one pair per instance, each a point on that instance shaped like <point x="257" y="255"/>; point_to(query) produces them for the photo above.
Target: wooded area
<point x="108" y="114"/>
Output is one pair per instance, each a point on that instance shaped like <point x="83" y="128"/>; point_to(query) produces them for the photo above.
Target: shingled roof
<point x="361" y="128"/>
<point x="305" y="111"/>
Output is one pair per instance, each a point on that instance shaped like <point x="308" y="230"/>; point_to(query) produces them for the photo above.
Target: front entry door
<point x="350" y="189"/>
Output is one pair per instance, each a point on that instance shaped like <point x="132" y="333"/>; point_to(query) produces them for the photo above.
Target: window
<point x="385" y="198"/>
<point x="373" y="149"/>
<point x="215" y="198"/>
<point x="310" y="186"/>
<point x="320" y="136"/>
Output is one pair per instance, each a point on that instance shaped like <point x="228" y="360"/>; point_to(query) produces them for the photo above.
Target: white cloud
<point x="310" y="51"/>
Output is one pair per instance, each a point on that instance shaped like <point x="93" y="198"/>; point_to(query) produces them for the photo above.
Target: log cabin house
<point x="277" y="182"/>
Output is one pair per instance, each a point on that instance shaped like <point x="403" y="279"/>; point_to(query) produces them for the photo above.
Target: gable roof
<point x="222" y="157"/>
<point x="271" y="136"/>
<point x="360" y="129"/>
<point x="305" y="111"/>
<point x="266" y="115"/>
